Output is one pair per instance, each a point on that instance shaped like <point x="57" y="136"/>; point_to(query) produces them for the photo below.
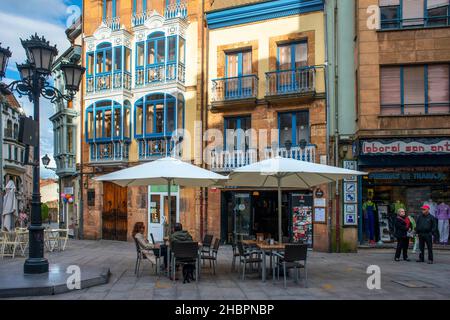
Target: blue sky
<point x="49" y="18"/>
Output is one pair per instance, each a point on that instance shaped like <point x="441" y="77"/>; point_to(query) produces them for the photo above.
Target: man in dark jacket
<point x="425" y="228"/>
<point x="179" y="234"/>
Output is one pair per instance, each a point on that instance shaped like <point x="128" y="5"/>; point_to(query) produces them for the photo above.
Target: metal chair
<point x="9" y="244"/>
<point x="247" y="257"/>
<point x="207" y="242"/>
<point x="185" y="252"/>
<point x="141" y="254"/>
<point x="213" y="256"/>
<point x="294" y="258"/>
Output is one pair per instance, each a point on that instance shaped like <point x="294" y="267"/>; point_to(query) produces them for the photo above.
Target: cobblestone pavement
<point x="330" y="276"/>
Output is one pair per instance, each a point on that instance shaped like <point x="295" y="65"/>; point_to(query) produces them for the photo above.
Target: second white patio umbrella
<point x="287" y="173"/>
<point x="168" y="171"/>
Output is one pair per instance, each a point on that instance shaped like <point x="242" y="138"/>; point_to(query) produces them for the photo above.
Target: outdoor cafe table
<point x="264" y="247"/>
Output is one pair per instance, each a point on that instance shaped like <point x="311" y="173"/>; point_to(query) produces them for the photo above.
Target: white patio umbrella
<point x="287" y="173"/>
<point x="9" y="206"/>
<point x="164" y="171"/>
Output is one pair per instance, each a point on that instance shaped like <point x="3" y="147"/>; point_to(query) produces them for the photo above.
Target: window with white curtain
<point x="415" y="89"/>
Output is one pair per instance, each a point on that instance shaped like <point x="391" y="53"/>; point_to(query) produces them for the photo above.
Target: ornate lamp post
<point x="34" y="83"/>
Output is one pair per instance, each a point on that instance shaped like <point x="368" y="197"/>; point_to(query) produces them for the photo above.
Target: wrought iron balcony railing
<point x="308" y="153"/>
<point x="299" y="81"/>
<point x="226" y="161"/>
<point x="119" y="80"/>
<point x="151" y="149"/>
<point x="116" y="151"/>
<point x="158" y="74"/>
<point x="235" y="88"/>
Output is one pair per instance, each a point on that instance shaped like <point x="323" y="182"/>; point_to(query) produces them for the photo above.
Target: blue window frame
<point x="238" y="68"/>
<point x="158" y="115"/>
<point x="139" y="6"/>
<point x="103" y="58"/>
<point x="291" y="57"/>
<point x="107" y="120"/>
<point x="236" y="128"/>
<point x="415" y="89"/>
<point x="158" y="58"/>
<point x="399" y="14"/>
<point x="294" y="129"/>
<point x="110" y="9"/>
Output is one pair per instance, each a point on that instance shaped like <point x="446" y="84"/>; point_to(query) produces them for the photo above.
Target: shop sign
<point x="351" y="165"/>
<point x="68" y="190"/>
<point x="319" y="193"/>
<point x="436" y="176"/>
<point x="406" y="147"/>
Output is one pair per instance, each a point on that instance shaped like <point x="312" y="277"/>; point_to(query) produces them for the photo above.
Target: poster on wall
<point x="302" y="218"/>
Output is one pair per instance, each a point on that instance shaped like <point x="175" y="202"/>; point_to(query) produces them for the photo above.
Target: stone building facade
<point x="403" y="108"/>
<point x="142" y="83"/>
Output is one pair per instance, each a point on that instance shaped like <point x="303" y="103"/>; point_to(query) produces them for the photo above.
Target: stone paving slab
<point x="330" y="276"/>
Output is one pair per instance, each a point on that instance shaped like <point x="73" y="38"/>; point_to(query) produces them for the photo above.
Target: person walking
<point x="415" y="238"/>
<point x="401" y="227"/>
<point x="425" y="228"/>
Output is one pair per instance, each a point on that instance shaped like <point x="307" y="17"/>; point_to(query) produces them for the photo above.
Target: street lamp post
<point x="34" y="83"/>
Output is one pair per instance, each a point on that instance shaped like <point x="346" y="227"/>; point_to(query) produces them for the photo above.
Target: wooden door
<point x="115" y="213"/>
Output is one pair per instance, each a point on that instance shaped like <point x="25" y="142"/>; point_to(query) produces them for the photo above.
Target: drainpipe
<point x="327" y="114"/>
<point x="203" y="191"/>
<point x="81" y="183"/>
<point x="336" y="136"/>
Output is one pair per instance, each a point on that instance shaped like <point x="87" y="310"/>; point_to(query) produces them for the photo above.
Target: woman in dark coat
<point x="402" y="226"/>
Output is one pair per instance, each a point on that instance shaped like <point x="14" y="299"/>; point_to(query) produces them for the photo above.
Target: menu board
<point x="302" y="221"/>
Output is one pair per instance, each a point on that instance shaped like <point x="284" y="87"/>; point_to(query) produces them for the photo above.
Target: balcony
<point x="160" y="74"/>
<point x="65" y="165"/>
<point x="308" y="153"/>
<point x="152" y="149"/>
<point x="105" y="82"/>
<point x="13" y="154"/>
<point x="235" y="91"/>
<point x="112" y="23"/>
<point x="138" y="19"/>
<point x="295" y="85"/>
<point x="109" y="152"/>
<point x="227" y="161"/>
<point x="10" y="134"/>
<point x="176" y="10"/>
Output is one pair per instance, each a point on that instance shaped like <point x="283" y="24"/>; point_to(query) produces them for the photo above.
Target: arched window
<point x="107" y="120"/>
<point x="158" y="115"/>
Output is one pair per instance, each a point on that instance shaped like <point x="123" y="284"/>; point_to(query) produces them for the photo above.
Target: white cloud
<point x="25" y="18"/>
<point x="24" y="27"/>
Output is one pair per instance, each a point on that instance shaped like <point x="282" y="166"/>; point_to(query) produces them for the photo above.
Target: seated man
<point x="179" y="234"/>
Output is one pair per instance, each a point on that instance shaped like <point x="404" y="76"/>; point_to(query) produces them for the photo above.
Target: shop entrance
<point x="159" y="210"/>
<point x="245" y="213"/>
<point x="115" y="214"/>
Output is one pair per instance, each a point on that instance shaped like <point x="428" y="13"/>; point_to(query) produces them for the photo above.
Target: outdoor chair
<point x="294" y="257"/>
<point x="22" y="240"/>
<point x="206" y="244"/>
<point x="235" y="256"/>
<point x="212" y="257"/>
<point x="9" y="244"/>
<point x="142" y="254"/>
<point x="247" y="257"/>
<point x="185" y="252"/>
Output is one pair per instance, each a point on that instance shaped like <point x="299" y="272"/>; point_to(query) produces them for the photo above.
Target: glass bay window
<point x="160" y="59"/>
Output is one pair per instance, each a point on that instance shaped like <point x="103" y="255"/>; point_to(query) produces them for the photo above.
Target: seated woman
<point x="138" y="234"/>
